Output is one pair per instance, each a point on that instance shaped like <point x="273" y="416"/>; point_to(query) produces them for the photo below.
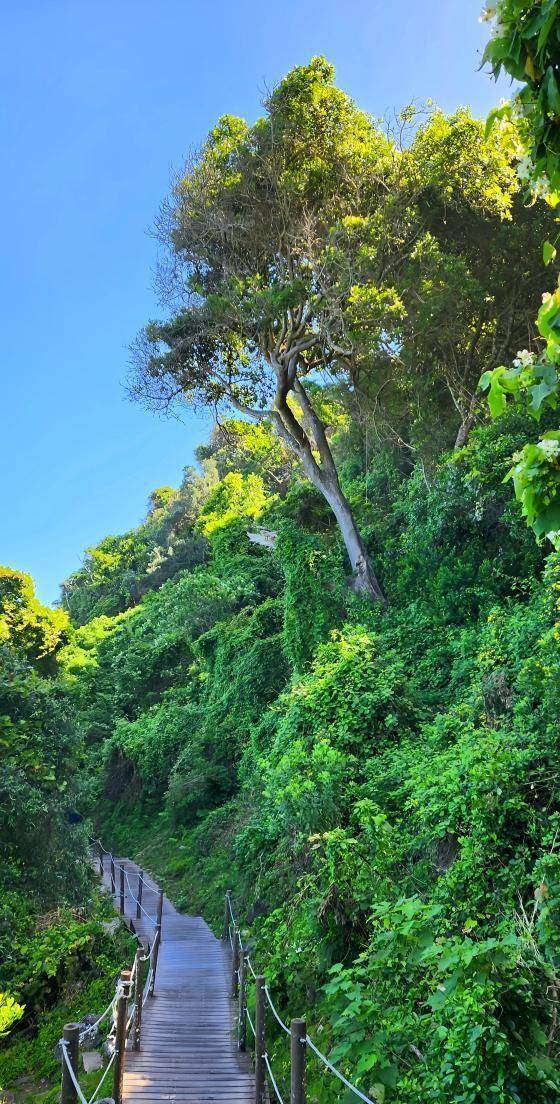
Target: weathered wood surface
<point x="188" y="1050"/>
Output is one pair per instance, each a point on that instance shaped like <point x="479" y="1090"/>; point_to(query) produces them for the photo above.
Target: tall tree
<point x="253" y="225"/>
<point x="443" y="268"/>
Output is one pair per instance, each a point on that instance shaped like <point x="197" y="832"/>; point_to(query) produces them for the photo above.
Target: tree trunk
<point x="467" y="424"/>
<point x="364" y="580"/>
<point x="324" y="478"/>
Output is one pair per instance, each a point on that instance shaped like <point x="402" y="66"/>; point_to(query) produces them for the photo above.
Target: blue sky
<point x="98" y="102"/>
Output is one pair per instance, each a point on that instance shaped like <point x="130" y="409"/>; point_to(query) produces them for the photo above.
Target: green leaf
<point x="547" y="26"/>
<point x="552" y="90"/>
<point x="388" y="1076"/>
<point x="497" y="113"/>
<point x="496" y="399"/>
<point x="548" y="520"/>
<point x="538" y="394"/>
<point x="549" y="252"/>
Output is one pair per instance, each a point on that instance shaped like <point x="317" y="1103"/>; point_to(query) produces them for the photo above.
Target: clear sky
<point x="98" y="102"/>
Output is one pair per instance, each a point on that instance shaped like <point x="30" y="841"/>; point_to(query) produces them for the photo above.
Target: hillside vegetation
<point x="379" y="788"/>
<point x="364" y="750"/>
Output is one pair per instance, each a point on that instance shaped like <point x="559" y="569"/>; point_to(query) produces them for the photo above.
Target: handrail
<point x="105" y="1072"/>
<point x="302" y="1038"/>
<point x="91" y="1028"/>
<point x="72" y="1040"/>
<point x="242" y="965"/>
<point x="125" y="1013"/>
<point x="274" y="1012"/>
<point x="272" y="1079"/>
<point x="153" y="948"/>
<point x="154" y="920"/>
<point x="142" y="878"/>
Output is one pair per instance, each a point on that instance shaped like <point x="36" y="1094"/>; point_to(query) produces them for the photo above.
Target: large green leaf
<point x="548" y="520"/>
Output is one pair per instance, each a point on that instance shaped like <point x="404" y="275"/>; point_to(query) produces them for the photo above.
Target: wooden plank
<point x="188" y="1051"/>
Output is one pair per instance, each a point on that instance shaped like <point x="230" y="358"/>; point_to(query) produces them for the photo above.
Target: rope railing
<point x="109" y="1066"/>
<point x="92" y="1028"/>
<point x="146" y="989"/>
<point x="127" y="1014"/>
<point x="273" y="1009"/>
<point x="71" y="1091"/>
<point x="300" y="1040"/>
<point x="152" y="919"/>
<point x="125" y="1019"/>
<point x="132" y="992"/>
<point x="272" y="1079"/>
<point x="70" y="1069"/>
<point x="136" y="898"/>
<point x="353" y="1088"/>
<point x="142" y="880"/>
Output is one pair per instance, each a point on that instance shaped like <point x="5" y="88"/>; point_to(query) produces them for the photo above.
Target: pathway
<point x="189" y="1048"/>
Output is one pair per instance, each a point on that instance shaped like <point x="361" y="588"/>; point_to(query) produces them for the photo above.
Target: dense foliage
<point x="311" y="245"/>
<point x="56" y="960"/>
<point x="378" y="784"/>
<point x="525" y="43"/>
<point x="378" y="788"/>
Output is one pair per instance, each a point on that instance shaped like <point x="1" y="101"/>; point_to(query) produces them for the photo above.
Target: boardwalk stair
<point x="189" y="1050"/>
<point x="174" y="1034"/>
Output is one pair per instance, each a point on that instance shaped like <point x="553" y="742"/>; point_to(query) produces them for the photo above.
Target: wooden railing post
<point x="138" y="991"/>
<point x="260" y="1068"/>
<point x="235" y="965"/>
<point x="71" y="1036"/>
<point x="298" y="1052"/>
<point x="225" y="931"/>
<point x="159" y="912"/>
<point x="139" y="894"/>
<point x="120" y="1037"/>
<point x="154" y="957"/>
<point x="100" y="858"/>
<point x="112" y="876"/>
<point x="242" y="1014"/>
<point x="122" y="889"/>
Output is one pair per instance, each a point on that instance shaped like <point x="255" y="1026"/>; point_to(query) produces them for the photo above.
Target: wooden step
<point x="189" y="1048"/>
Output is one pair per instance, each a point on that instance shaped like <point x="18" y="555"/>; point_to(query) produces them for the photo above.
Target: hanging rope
<point x="152" y="919"/>
<point x="106" y="1071"/>
<point x="92" y="1028"/>
<point x="272" y="1078"/>
<point x="148" y="883"/>
<point x="70" y="1068"/>
<point x="337" y="1072"/>
<point x="146" y="990"/>
<point x="75" y="1081"/>
<point x="274" y="1012"/>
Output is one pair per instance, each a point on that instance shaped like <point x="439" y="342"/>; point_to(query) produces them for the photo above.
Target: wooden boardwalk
<point x="189" y="1047"/>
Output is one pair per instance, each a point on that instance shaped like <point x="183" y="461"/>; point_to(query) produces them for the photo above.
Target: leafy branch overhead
<point x="525" y="43"/>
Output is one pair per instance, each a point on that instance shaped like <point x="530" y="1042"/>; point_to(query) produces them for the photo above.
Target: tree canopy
<point x="315" y="246"/>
